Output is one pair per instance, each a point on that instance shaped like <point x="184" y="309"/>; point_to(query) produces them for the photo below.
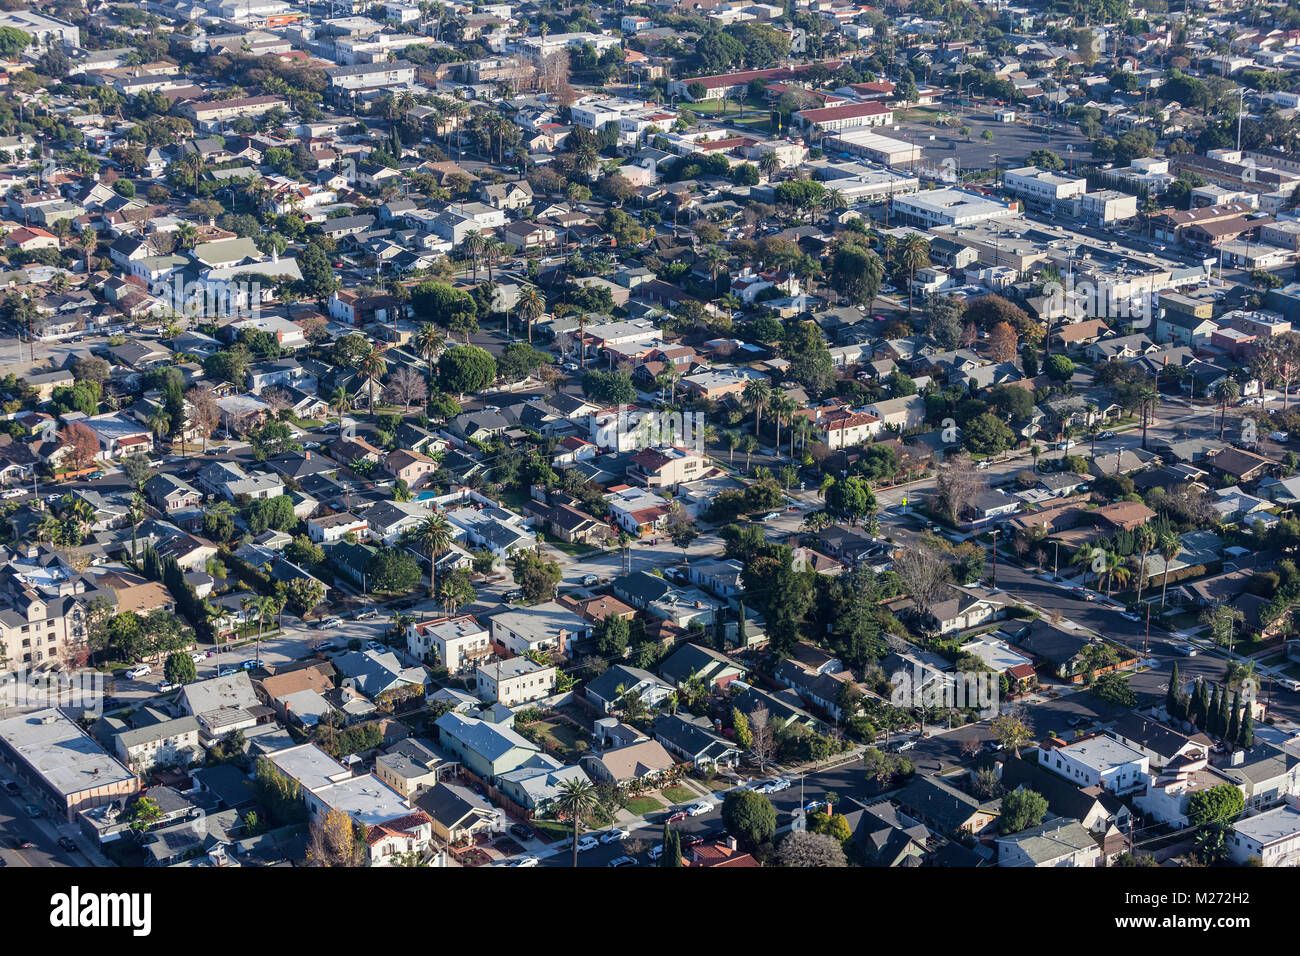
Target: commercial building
<point x="863" y="142"/>
<point x="65" y="764"/>
<point x="950" y="207"/>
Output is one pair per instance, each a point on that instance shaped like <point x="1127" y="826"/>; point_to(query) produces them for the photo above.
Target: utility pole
<point x="994" y="532"/>
<point x="1146" y="642"/>
<point x="1056" y="560"/>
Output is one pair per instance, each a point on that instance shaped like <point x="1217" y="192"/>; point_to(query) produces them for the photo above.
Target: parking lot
<point x="1012" y="142"/>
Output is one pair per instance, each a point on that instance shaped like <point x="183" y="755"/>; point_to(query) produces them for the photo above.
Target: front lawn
<point x="681" y="795"/>
<point x="643" y="805"/>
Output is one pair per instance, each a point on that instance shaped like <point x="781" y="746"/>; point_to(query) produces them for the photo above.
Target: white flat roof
<point x="65" y="756"/>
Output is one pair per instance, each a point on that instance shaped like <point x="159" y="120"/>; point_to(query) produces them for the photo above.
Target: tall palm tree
<point x="916" y="255"/>
<point x="1225" y="391"/>
<point x="756" y="395"/>
<point x="749" y="445"/>
<point x="731" y="440"/>
<point x="472" y="246"/>
<point x="373" y="367"/>
<point x="1145" y="539"/>
<point x="1169" y="545"/>
<point x="530" y="304"/>
<point x="429" y="342"/>
<point x="782" y="409"/>
<point x="340" y="402"/>
<point x="434" y="534"/>
<point x="577" y="799"/>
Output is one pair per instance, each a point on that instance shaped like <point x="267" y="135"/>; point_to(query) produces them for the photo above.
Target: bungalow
<point x="960" y="608"/>
<point x="457" y="813"/>
<point x="690" y="661"/>
<point x="612" y="689"/>
<point x="944" y="807"/>
<point x="693" y="740"/>
<point x="646" y="760"/>
<point x="485" y="749"/>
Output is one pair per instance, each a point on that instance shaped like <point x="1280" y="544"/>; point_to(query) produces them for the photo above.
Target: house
<point x="1059" y="649"/>
<point x="960" y="608"/>
<point x="486" y="750"/>
<point x="943" y="807"/>
<point x="374" y="673"/>
<point x="1095" y="807"/>
<point x="611" y="689"/>
<point x="1096" y="761"/>
<point x="1056" y="842"/>
<point x="698" y="661"/>
<point x="518" y="680"/>
<point x="646" y="760"/>
<point x="149" y="739"/>
<point x="899" y="414"/>
<point x="1272" y="837"/>
<point x="409" y="466"/>
<point x="542" y="627"/>
<point x="456" y="643"/>
<point x="693" y="740"/>
<point x="410" y="766"/>
<point x="223" y="705"/>
<point x="327" y="528"/>
<point x="458" y="814"/>
<point x="1266" y="775"/>
<point x="168" y="493"/>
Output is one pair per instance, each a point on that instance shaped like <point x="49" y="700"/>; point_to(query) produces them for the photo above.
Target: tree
<point x="1010" y="731"/>
<point x="372" y="367"/>
<point x="1021" y="809"/>
<point x="83" y="442"/>
<point x="577" y="798"/>
<point x="180" y="668"/>
<point x="1225" y="391"/>
<point x="924" y="576"/>
<point x="536" y="576"/>
<point x="406" y="387"/>
<point x="1058" y="368"/>
<point x="612" y="635"/>
<point x="1222" y="622"/>
<point x="762" y="738"/>
<point x="749" y="817"/>
<point x="466" y="368"/>
<point x="392" y="571"/>
<point x="672" y="848"/>
<point x="1114" y="689"/>
<point x="333" y="841"/>
<point x="805" y="849"/>
<point x="435" y="535"/>
<point x="1003" y="342"/>
<point x="681" y="527"/>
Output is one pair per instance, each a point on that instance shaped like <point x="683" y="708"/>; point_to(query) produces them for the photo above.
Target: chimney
<point x="732" y="845"/>
<point x="306" y="456"/>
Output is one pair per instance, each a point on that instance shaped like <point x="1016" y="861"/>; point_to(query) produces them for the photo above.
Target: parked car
<point x="778" y="784"/>
<point x="198" y="658"/>
<point x="14" y="493"/>
<point x="328" y="623"/>
<point x="327" y="646"/>
<point x="771" y="516"/>
<point x="249" y="664"/>
<point x="513" y="596"/>
<point x="677" y="815"/>
<point x="589" y="579"/>
<point x="519" y="831"/>
<point x="525" y="861"/>
<point x="140" y="670"/>
<point x="622" y="861"/>
<point x="1280" y="436"/>
<point x="1186" y="650"/>
<point x="613" y="836"/>
<point x="699" y="809"/>
<point x="375" y="646"/>
<point x="18" y="843"/>
<point x="692" y="840"/>
<point x="67" y="843"/>
<point x="655" y="852"/>
<point x="587" y="842"/>
<point x="167" y="685"/>
<point x="993" y="746"/>
<point x="33" y="811"/>
<point x="1106" y="434"/>
<point x="1066" y="445"/>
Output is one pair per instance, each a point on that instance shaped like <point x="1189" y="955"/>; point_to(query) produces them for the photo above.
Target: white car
<point x="1280" y="436"/>
<point x="614" y="836"/>
<point x="777" y="784"/>
<point x="525" y="861"/>
<point x="622" y="861"/>
<point x="589" y="579"/>
<point x="15" y="493"/>
<point x="699" y="809"/>
<point x="1066" y="445"/>
<point x="328" y="623"/>
<point x="140" y="670"/>
<point x="587" y="842"/>
<point x="198" y="658"/>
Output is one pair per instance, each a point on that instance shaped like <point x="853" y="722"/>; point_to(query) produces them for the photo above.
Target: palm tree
<point x="768" y="164"/>
<point x="1145" y="539"/>
<point x="916" y="255"/>
<point x="372" y="368"/>
<point x="834" y="201"/>
<point x="749" y="445"/>
<point x="434" y="533"/>
<point x="577" y="799"/>
<point x="428" y="342"/>
<point x="731" y="440"/>
<point x="714" y="258"/>
<point x="530" y="304"/>
<point x="1225" y="391"/>
<point x="782" y="410"/>
<point x="1169" y="545"/>
<point x="756" y="395"/>
<point x="340" y="402"/>
<point x="472" y="246"/>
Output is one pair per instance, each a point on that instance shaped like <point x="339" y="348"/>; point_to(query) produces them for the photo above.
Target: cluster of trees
<point x="1213" y="713"/>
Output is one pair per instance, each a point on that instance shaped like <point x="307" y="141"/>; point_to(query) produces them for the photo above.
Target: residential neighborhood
<point x="660" y="434"/>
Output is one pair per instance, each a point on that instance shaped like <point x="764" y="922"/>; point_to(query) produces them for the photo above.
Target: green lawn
<point x="680" y="795"/>
<point x="643" y="805"/>
<point x="573" y="548"/>
<point x="561" y="734"/>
